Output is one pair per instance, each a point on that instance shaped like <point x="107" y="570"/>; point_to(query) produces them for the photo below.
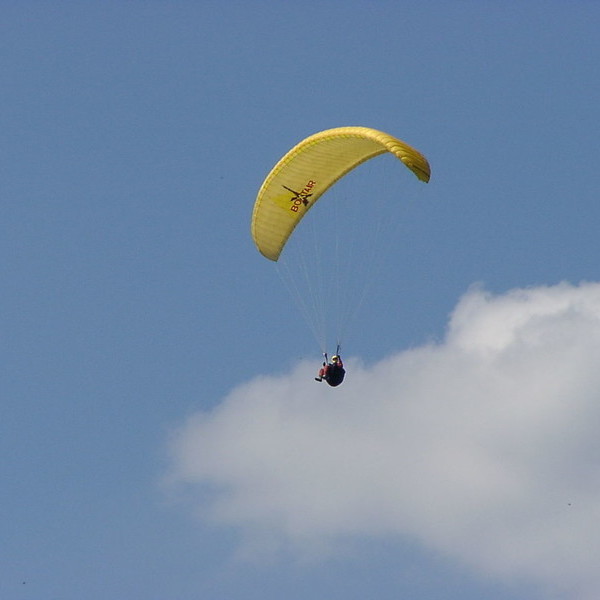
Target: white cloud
<point x="484" y="447"/>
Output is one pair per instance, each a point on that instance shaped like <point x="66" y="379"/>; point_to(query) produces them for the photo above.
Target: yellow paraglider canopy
<point x="309" y="169"/>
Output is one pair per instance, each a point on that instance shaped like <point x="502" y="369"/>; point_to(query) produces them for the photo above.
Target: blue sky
<point x="152" y="376"/>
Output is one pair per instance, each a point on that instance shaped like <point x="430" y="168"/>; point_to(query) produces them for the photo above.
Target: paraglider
<point x="332" y="372"/>
<point x="298" y="181"/>
<point x="309" y="169"/>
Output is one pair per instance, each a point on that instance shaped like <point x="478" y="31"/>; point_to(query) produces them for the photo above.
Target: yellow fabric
<point x="309" y="169"/>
